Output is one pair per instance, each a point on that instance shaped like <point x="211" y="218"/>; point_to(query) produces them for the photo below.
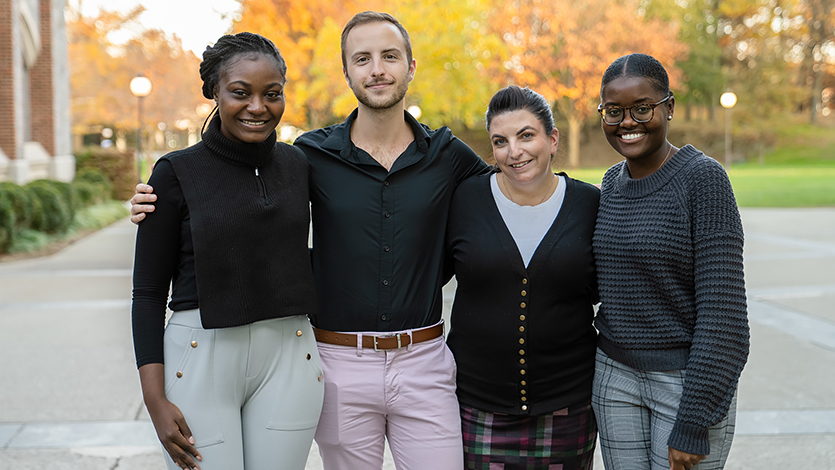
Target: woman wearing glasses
<point x="673" y="327"/>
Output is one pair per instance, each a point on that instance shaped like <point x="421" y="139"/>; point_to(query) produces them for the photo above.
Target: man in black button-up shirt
<point x="381" y="185"/>
<point x="378" y="234"/>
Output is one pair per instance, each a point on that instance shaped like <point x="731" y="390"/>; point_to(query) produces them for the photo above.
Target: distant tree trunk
<point x="817" y="86"/>
<point x="711" y="100"/>
<point x="574" y="127"/>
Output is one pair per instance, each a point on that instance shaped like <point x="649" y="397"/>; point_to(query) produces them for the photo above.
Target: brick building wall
<point x="34" y="92"/>
<point x="9" y="76"/>
<point x="41" y="96"/>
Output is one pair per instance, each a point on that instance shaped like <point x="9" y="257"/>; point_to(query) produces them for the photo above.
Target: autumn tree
<point x="451" y="50"/>
<point x="819" y="17"/>
<point x="308" y="35"/>
<point x="101" y="71"/>
<point x="561" y="49"/>
<point x="703" y="79"/>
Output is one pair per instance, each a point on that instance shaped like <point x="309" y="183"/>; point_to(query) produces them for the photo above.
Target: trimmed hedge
<point x="91" y="186"/>
<point x="7" y="221"/>
<point x="55" y="209"/>
<point x="48" y="206"/>
<point x="118" y="167"/>
<point x="21" y="201"/>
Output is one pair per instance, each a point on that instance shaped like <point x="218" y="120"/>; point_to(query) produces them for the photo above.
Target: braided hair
<point x="227" y="48"/>
<point x="216" y="58"/>
<point x="638" y="65"/>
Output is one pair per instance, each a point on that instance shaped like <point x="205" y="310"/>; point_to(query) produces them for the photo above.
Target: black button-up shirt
<point x="378" y="235"/>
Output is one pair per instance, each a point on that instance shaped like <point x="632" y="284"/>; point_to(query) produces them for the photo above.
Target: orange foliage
<point x="101" y="71"/>
<point x="561" y="48"/>
<point x="307" y="34"/>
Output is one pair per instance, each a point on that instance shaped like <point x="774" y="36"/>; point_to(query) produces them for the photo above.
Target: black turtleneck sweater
<point x="229" y="234"/>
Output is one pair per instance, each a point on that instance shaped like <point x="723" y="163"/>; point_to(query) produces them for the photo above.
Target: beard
<point x="380" y="102"/>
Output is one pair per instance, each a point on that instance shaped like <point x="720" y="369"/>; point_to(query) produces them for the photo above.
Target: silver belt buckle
<point x="399" y="344"/>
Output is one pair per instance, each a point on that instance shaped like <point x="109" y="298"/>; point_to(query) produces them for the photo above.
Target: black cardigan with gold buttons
<point x="522" y="337"/>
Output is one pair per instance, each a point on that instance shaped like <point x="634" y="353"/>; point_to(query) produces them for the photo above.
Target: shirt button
<point x="524" y="280"/>
<point x="522" y="317"/>
<point x="299" y="332"/>
<point x="179" y="374"/>
<point x="385" y="282"/>
<point x="521" y="352"/>
<point x="524" y="383"/>
<point x="386" y="248"/>
<point x="523" y="305"/>
<point x="386" y="183"/>
<point x="522" y="361"/>
<point x="522" y="371"/>
<point x="384" y="317"/>
<point x="521" y="340"/>
<point x="194" y="344"/>
<point x="521" y="329"/>
<point x="523" y="392"/>
<point x="524" y="399"/>
<point x="524" y="407"/>
<point x="524" y="293"/>
<point x="387" y="214"/>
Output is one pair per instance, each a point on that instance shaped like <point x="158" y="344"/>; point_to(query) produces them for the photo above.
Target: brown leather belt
<point x="380" y="342"/>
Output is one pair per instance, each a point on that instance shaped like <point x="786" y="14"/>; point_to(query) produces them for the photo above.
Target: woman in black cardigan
<point x="520" y="244"/>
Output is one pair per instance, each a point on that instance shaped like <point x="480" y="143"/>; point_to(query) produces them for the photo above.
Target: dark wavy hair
<point x="514" y="98"/>
<point x="638" y="65"/>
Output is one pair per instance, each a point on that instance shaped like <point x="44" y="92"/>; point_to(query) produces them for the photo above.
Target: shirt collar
<point x="340" y="138"/>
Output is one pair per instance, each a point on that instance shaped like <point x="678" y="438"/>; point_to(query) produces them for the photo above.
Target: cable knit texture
<point x="249" y="222"/>
<point x="668" y="250"/>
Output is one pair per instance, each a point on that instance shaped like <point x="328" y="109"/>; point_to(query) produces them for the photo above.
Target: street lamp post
<point x="727" y="100"/>
<point x="140" y="87"/>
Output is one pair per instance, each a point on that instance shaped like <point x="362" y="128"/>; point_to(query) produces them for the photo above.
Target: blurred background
<point x="92" y="92"/>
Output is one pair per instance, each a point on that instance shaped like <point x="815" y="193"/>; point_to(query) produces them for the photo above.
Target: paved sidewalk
<point x="69" y="392"/>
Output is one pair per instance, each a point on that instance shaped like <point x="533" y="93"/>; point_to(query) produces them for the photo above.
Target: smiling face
<point x="634" y="140"/>
<point x="250" y="98"/>
<point x="522" y="148"/>
<point x="377" y="68"/>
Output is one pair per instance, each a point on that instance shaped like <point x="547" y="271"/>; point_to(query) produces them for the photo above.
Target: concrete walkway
<point x="69" y="393"/>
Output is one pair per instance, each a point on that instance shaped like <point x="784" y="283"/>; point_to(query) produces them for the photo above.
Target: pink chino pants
<point x="406" y="395"/>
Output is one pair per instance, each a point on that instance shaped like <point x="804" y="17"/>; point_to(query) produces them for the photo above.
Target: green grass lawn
<point x="808" y="182"/>
<point x="798" y="172"/>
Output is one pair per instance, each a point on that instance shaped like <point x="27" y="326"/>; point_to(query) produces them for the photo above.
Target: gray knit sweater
<point x="668" y="250"/>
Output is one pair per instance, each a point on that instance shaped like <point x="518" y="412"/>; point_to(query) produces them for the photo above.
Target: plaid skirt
<point x="563" y="440"/>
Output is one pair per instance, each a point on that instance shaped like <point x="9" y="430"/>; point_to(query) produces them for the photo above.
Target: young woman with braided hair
<point x="234" y="380"/>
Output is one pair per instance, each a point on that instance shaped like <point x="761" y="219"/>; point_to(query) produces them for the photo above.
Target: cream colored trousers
<point x="251" y="394"/>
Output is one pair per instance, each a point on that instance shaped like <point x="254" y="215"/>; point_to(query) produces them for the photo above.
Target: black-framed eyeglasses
<point x="643" y="112"/>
